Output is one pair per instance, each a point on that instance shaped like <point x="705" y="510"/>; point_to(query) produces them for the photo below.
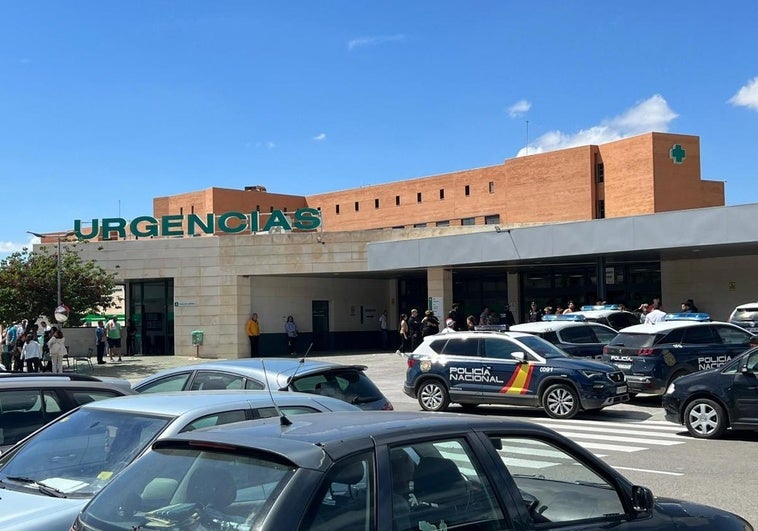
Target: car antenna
<point x="300" y="364"/>
<point x="283" y="420"/>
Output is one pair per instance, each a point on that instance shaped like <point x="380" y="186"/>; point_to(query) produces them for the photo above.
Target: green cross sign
<point x="677" y="153"/>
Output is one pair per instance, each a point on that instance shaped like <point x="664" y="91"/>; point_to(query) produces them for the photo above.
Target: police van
<point x="654" y="355"/>
<point x="509" y="368"/>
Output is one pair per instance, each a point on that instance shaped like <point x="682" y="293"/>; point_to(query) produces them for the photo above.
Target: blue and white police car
<point x="654" y="355"/>
<point x="571" y="333"/>
<point x="509" y="368"/>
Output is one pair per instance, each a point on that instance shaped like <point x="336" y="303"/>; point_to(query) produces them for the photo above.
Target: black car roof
<point x="338" y="434"/>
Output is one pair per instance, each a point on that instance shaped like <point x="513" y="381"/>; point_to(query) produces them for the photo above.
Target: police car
<point x="510" y="368"/>
<point x="746" y="316"/>
<point x="608" y="314"/>
<point x="571" y="333"/>
<point x="654" y="355"/>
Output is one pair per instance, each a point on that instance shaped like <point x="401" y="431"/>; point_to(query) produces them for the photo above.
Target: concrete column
<point x="514" y="295"/>
<point x="439" y="283"/>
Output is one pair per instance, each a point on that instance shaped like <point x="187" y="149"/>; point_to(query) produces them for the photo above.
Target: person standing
<point x="131" y="337"/>
<point x="100" y="342"/>
<point x="56" y="345"/>
<point x="571" y="308"/>
<point x="384" y="330"/>
<point x="430" y="325"/>
<point x="291" y="329"/>
<point x="414" y="329"/>
<point x="535" y="315"/>
<point x="470" y="323"/>
<point x="113" y="329"/>
<point x="655" y="315"/>
<point x="253" y="329"/>
<point x="404" y="335"/>
<point x="484" y="317"/>
<point x="32" y="353"/>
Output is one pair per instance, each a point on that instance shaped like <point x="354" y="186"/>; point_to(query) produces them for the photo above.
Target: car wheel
<point x="560" y="401"/>
<point x="705" y="419"/>
<point x="432" y="396"/>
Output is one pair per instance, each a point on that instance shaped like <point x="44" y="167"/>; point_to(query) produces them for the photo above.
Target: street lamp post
<point x="57" y="263"/>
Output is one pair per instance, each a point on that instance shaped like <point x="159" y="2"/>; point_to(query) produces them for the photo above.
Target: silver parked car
<point x="346" y="382"/>
<point x="47" y="478"/>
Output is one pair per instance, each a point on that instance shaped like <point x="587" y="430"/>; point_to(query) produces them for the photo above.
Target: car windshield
<point x="77" y="455"/>
<point x="350" y="386"/>
<point x="746" y="314"/>
<point x="543" y="348"/>
<point x="179" y="488"/>
<point x="633" y="340"/>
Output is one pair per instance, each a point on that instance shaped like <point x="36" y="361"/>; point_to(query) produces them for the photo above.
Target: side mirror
<point x="518" y="356"/>
<point x="744" y="369"/>
<point x="642" y="499"/>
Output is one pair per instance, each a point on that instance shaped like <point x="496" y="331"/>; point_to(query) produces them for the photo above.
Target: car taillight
<point x="645" y="352"/>
<point x="411" y="362"/>
<point x="605" y="349"/>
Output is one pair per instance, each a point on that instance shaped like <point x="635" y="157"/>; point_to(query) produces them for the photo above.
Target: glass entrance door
<point x="151" y="308"/>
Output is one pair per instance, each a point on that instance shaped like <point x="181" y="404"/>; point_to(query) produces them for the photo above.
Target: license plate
<point x="623" y="366"/>
<point x="621" y="389"/>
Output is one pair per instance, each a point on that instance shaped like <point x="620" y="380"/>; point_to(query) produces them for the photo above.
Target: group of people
<point x="108" y="337"/>
<point x="39" y="347"/>
<point x="253" y="331"/>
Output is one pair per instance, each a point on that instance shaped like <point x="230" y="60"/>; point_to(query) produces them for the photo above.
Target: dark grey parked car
<point x="345" y="382"/>
<point x="382" y="471"/>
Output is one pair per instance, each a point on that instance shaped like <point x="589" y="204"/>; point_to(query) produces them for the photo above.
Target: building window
<point x="419" y="225"/>
<point x="494" y="219"/>
<point x="418" y="197"/>
<point x="397" y="200"/>
<point x="181" y="211"/>
<point x="599" y="172"/>
<point x="445" y="223"/>
<point x="492" y="187"/>
<point x="270" y="209"/>
<point x="399" y="227"/>
<point x="468" y="190"/>
<point x="600" y="208"/>
<point x="442" y="193"/>
<point x="337" y="209"/>
<point x="257" y="208"/>
<point x="468" y="221"/>
<point x="357" y="207"/>
<point x="192" y="209"/>
<point x="376" y="203"/>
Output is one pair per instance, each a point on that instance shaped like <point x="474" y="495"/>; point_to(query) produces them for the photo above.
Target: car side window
<point x="603" y="334"/>
<point x="672" y="338"/>
<point x="267" y="412"/>
<point x="622" y="320"/>
<point x="459" y="346"/>
<point x="217" y="419"/>
<point x="82" y="397"/>
<point x="52" y="403"/>
<point x="253" y="384"/>
<point x="175" y="382"/>
<point x="700" y="335"/>
<point x="556" y="487"/>
<point x="752" y="362"/>
<point x="346" y="499"/>
<point x="214" y="380"/>
<point x="578" y="334"/>
<point x="732" y="336"/>
<point x="21" y="413"/>
<point x="501" y="349"/>
<point x="439" y="485"/>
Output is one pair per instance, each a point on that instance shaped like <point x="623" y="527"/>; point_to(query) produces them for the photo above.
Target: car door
<point x="745" y="392"/>
<point x="734" y="341"/>
<point x="506" y="380"/>
<point x="460" y="363"/>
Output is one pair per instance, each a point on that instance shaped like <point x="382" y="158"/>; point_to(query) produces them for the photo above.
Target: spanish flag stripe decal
<point x="519" y="382"/>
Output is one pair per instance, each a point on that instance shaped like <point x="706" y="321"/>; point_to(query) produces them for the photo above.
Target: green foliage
<point x="29" y="285"/>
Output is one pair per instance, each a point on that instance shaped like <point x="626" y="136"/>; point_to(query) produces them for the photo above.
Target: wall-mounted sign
<point x="610" y="275"/>
<point x="304" y="219"/>
<point x="184" y="304"/>
<point x="677" y="154"/>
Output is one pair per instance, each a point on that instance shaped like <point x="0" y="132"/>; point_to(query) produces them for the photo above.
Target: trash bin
<point x="197" y="337"/>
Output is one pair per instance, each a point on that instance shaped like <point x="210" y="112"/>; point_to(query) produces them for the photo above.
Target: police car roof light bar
<point x="601" y="307"/>
<point x="564" y="317"/>
<point x="687" y="317"/>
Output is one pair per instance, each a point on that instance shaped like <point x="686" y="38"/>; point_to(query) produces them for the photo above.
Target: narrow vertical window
<point x="376" y="203"/>
<point x="600" y="208"/>
<point x="442" y="193"/>
<point x="337" y="210"/>
<point x="468" y="190"/>
<point x="418" y="197"/>
<point x="599" y="172"/>
<point x="357" y="206"/>
<point x="397" y="200"/>
<point x="492" y="187"/>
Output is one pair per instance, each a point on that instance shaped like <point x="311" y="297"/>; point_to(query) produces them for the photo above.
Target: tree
<point x="29" y="285"/>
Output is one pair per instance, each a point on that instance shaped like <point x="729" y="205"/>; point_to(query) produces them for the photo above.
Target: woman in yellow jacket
<point x="253" y="330"/>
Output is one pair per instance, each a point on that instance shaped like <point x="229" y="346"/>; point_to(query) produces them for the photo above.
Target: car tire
<point x="705" y="419"/>
<point x="433" y="396"/>
<point x="560" y="401"/>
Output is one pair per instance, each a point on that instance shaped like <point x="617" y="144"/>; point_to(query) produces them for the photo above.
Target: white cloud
<point x="7" y="248"/>
<point x="653" y="114"/>
<point x="747" y="96"/>
<point x="319" y="137"/>
<point x="519" y="108"/>
<point x="362" y="42"/>
<point x="267" y="145"/>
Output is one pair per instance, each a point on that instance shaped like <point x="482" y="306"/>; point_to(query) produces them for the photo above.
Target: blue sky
<point x="106" y="104"/>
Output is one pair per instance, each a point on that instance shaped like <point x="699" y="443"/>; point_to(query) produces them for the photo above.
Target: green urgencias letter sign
<point x="303" y="219"/>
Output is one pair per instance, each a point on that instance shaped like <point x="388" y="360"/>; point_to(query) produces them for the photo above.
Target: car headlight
<point x="670" y="388"/>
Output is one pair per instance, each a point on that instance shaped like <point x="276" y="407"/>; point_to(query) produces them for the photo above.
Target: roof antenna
<point x="283" y="420"/>
<point x="300" y="364"/>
